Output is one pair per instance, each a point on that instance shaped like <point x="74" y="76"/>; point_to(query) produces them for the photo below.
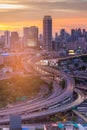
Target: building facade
<point x="7" y="39"/>
<point x="47" y="33"/>
<point x="32" y="37"/>
<point x="25" y="35"/>
<point x="14" y="39"/>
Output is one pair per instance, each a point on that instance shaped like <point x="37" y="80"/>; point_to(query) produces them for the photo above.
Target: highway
<point x="63" y="58"/>
<point x="82" y="87"/>
<point x="40" y="104"/>
<point x="49" y="111"/>
<point x="80" y="115"/>
<point x="40" y="108"/>
<point x="80" y="77"/>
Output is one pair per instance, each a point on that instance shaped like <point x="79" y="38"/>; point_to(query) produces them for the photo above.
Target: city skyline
<point x="66" y="14"/>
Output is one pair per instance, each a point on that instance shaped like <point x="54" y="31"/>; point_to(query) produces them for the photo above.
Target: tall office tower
<point x="7" y="39"/>
<point x="32" y="37"/>
<point x="73" y="35"/>
<point x="25" y="35"/>
<point x="79" y="32"/>
<point x="14" y="39"/>
<point x="84" y="32"/>
<point x="57" y="43"/>
<point x="47" y="33"/>
<point x="40" y="39"/>
<point x="2" y="40"/>
<point x="56" y="37"/>
<point x="62" y="33"/>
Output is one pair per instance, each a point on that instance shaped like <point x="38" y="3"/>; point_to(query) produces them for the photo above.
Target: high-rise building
<point x="40" y="39"/>
<point x="56" y="37"/>
<point x="2" y="41"/>
<point x="47" y="33"/>
<point x="62" y="33"/>
<point x="7" y="39"/>
<point x="25" y="32"/>
<point x="32" y="37"/>
<point x="57" y="42"/>
<point x="73" y="35"/>
<point x="14" y="39"/>
<point x="25" y="35"/>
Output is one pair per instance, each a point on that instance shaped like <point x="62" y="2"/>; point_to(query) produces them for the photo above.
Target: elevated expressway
<point x="42" y="108"/>
<point x="63" y="58"/>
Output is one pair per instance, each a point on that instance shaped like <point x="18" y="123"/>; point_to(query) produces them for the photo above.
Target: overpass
<point x="63" y="58"/>
<point x="40" y="108"/>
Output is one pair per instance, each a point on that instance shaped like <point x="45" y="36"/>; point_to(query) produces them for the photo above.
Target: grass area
<point x="18" y="88"/>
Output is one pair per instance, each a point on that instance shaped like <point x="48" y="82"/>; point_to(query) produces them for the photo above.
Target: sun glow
<point x="57" y="24"/>
<point x="8" y="27"/>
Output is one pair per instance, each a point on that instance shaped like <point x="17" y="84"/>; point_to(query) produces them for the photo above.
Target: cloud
<point x="50" y="4"/>
<point x="71" y="5"/>
<point x="42" y="5"/>
<point x="11" y="6"/>
<point x="8" y="2"/>
<point x="20" y="10"/>
<point x="19" y="13"/>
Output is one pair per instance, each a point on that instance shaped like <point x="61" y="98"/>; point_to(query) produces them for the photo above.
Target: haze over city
<point x="43" y="65"/>
<point x="14" y="15"/>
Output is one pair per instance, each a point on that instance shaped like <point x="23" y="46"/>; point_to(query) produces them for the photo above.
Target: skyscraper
<point x="25" y="35"/>
<point x="7" y="39"/>
<point x="62" y="33"/>
<point x="32" y="37"/>
<point x="47" y="33"/>
<point x="14" y="39"/>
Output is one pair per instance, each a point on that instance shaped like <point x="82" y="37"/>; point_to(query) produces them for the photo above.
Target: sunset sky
<point x="16" y="14"/>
